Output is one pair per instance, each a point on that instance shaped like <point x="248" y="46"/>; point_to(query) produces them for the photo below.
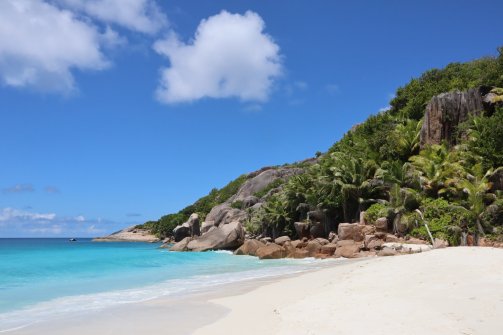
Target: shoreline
<point x="446" y="291"/>
<point x="155" y="315"/>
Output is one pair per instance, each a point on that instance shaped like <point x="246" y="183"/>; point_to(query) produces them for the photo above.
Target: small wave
<point x="223" y="252"/>
<point x="64" y="306"/>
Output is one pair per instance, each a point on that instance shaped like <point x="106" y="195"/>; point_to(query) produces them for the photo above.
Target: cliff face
<point x="446" y="111"/>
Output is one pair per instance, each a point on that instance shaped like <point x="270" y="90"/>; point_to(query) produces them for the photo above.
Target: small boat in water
<point x="73" y="240"/>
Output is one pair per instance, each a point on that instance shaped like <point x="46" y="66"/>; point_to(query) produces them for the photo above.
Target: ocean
<point x="42" y="279"/>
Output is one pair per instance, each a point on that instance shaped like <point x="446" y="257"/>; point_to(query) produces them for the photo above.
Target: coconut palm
<point x="355" y="178"/>
<point x="476" y="187"/>
<point x="434" y="166"/>
<point x="276" y="215"/>
<point x="407" y="135"/>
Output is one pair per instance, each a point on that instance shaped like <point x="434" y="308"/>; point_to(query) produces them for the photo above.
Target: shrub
<point x="445" y="221"/>
<point x="375" y="212"/>
<point x="493" y="215"/>
<point x="237" y="204"/>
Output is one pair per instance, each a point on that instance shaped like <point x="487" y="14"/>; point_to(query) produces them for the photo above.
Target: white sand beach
<point x="446" y="291"/>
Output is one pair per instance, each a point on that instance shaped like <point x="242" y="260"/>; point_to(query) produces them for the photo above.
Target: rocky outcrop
<point x="446" y="111"/>
<point x="347" y="249"/>
<point x="221" y="215"/>
<point x="281" y="240"/>
<point x="271" y="251"/>
<point x="187" y="229"/>
<point x="351" y="231"/>
<point x="260" y="180"/>
<point x="182" y="245"/>
<point x="225" y="236"/>
<point x="302" y="229"/>
<point x="249" y="247"/>
<point x="130" y="234"/>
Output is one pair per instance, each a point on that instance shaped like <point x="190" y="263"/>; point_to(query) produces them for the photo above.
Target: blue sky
<point x="114" y="112"/>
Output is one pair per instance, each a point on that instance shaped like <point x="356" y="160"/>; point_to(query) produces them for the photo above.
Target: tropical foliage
<point x="378" y="167"/>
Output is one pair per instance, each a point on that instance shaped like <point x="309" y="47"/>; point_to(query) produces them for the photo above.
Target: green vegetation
<point x="379" y="168"/>
<point x="165" y="225"/>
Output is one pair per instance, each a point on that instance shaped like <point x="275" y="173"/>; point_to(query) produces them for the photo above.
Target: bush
<point x="237" y="204"/>
<point x="375" y="212"/>
<point x="445" y="220"/>
<point x="493" y="215"/>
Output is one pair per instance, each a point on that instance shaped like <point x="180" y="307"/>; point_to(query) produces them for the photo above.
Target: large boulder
<point x="313" y="247"/>
<point x="328" y="249"/>
<point x="347" y="249"/>
<point x="271" y="251"/>
<point x="317" y="229"/>
<point x="281" y="240"/>
<point x="350" y="231"/>
<point x="372" y="242"/>
<point x="193" y="223"/>
<point x="259" y="180"/>
<point x="225" y="236"/>
<point x="249" y="247"/>
<point x="182" y="245"/>
<point x="181" y="231"/>
<point x="223" y="214"/>
<point x="302" y="229"/>
<point x="446" y="111"/>
<point x="250" y="201"/>
<point x="299" y="253"/>
<point x="382" y="224"/>
<point x="206" y="226"/>
<point x="188" y="228"/>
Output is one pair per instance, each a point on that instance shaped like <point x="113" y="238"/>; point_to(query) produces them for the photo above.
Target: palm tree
<point x="476" y="186"/>
<point x="435" y="166"/>
<point x="276" y="215"/>
<point x="355" y="178"/>
<point x="408" y="135"/>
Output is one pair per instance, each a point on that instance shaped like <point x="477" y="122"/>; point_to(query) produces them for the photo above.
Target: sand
<point x="446" y="291"/>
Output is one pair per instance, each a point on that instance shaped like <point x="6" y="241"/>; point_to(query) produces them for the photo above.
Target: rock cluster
<point x="352" y="240"/>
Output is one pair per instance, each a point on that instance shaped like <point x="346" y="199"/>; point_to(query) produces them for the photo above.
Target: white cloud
<point x="383" y="109"/>
<point x="19" y="188"/>
<point x="140" y="15"/>
<point x="230" y="56"/>
<point x="11" y="214"/>
<point x="16" y="222"/>
<point x="40" y="44"/>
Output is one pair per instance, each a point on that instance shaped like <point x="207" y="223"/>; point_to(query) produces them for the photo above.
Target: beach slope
<point x="446" y="291"/>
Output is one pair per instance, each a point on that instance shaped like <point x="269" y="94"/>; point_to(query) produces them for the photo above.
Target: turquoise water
<point x="44" y="278"/>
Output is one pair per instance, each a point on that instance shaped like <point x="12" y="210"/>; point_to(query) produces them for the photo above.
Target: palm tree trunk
<point x="479" y="232"/>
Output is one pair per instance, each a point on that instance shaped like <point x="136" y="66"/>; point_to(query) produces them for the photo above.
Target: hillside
<point x="435" y="155"/>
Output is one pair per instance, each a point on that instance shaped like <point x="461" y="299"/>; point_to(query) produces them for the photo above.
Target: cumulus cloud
<point x="16" y="222"/>
<point x="11" y="215"/>
<point x="40" y="44"/>
<point x="19" y="188"/>
<point x="143" y="16"/>
<point x="229" y="56"/>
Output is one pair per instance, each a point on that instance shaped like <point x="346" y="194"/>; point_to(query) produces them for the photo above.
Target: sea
<point x="41" y="279"/>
